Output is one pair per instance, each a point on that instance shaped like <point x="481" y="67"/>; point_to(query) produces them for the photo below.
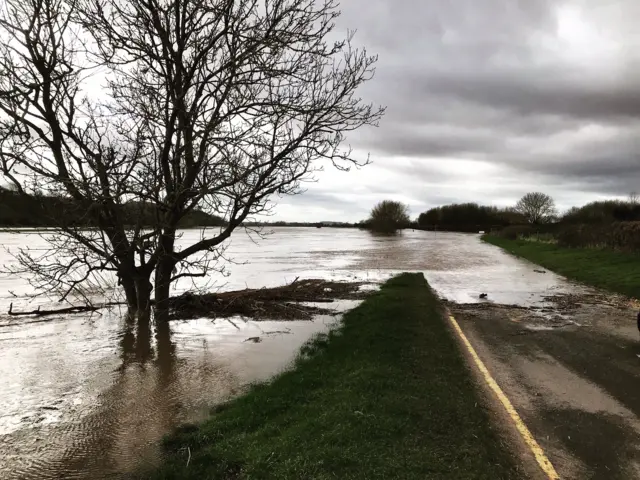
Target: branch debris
<point x="287" y="302"/>
<point x="39" y="312"/>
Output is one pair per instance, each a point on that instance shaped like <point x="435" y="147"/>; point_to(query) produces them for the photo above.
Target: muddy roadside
<point x="571" y="368"/>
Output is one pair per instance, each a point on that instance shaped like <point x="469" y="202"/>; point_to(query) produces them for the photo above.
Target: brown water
<point x="86" y="397"/>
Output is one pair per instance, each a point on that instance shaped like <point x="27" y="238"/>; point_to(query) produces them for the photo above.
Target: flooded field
<point x="81" y="400"/>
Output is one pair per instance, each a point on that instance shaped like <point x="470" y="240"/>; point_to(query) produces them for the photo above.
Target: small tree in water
<point x="210" y="105"/>
<point x="389" y="216"/>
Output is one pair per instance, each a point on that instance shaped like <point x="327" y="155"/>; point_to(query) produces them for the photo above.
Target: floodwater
<point x="82" y="397"/>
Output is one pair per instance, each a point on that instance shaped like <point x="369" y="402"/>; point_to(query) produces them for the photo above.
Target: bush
<point x="389" y="216"/>
<point x="621" y="236"/>
<point x="514" y="232"/>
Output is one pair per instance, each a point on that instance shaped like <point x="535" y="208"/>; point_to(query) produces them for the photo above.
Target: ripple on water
<point x="108" y="414"/>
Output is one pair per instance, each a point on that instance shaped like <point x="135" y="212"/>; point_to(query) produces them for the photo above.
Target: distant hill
<point x="47" y="211"/>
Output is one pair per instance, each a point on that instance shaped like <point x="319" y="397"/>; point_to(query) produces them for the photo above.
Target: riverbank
<point x="613" y="271"/>
<point x="388" y="395"/>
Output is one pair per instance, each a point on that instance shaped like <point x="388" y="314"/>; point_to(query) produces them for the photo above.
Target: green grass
<point x="388" y="395"/>
<point x="614" y="271"/>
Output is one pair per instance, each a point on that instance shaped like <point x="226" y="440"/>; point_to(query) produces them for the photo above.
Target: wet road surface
<point x="571" y="368"/>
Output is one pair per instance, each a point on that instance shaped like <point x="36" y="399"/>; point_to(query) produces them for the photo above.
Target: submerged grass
<point x="388" y="395"/>
<point x="617" y="272"/>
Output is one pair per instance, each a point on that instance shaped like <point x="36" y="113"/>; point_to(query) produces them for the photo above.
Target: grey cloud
<point x="540" y="92"/>
<point x="336" y="202"/>
<point x="470" y="80"/>
<point x="600" y="167"/>
<point x="418" y="140"/>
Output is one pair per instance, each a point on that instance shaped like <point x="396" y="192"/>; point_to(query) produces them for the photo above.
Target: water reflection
<point x="398" y="234"/>
<point x="109" y="421"/>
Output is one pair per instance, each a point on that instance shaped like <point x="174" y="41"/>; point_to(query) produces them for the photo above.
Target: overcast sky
<point x="487" y="100"/>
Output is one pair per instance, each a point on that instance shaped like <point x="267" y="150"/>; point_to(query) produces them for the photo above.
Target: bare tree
<point x="389" y="216"/>
<point x="536" y="207"/>
<point x="634" y="198"/>
<point x="150" y="109"/>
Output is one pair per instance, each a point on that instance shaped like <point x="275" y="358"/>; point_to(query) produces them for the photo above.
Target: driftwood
<point x="287" y="302"/>
<point x="39" y="312"/>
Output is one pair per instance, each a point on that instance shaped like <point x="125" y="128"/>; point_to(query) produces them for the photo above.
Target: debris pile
<point x="572" y="301"/>
<point x="287" y="302"/>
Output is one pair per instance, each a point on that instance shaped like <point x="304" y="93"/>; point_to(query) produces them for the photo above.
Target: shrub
<point x="389" y="216"/>
<point x="514" y="232"/>
<point x="622" y="236"/>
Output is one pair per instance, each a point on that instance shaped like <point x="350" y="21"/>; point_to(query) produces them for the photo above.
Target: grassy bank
<point x="386" y="396"/>
<point x="613" y="271"/>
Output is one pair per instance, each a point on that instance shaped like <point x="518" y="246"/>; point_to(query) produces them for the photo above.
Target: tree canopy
<point x="536" y="207"/>
<point x="389" y="216"/>
<point x="468" y="217"/>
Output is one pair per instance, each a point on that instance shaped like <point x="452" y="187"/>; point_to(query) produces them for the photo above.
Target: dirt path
<point x="571" y="368"/>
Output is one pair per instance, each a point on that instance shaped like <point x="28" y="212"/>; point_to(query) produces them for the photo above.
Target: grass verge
<point x="388" y="395"/>
<point x="614" y="271"/>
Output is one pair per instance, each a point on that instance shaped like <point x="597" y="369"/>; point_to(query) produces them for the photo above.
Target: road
<point x="568" y="361"/>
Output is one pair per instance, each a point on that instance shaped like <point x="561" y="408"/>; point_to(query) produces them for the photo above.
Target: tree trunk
<point x="143" y="350"/>
<point x="129" y="286"/>
<point x="143" y="298"/>
<point x="165" y="346"/>
<point x="163" y="286"/>
<point x="164" y="271"/>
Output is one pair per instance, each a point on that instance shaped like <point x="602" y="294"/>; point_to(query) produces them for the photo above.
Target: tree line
<point x="534" y="208"/>
<point x="50" y="211"/>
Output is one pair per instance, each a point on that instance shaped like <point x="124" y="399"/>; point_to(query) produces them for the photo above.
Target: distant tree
<point x="603" y="211"/>
<point x="429" y="218"/>
<point x="510" y="216"/>
<point x="468" y="217"/>
<point x="634" y="198"/>
<point x="389" y="216"/>
<point x="536" y="207"/>
<point x="627" y="212"/>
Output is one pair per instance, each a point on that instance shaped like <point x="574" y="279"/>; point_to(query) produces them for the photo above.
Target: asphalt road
<point x="571" y="369"/>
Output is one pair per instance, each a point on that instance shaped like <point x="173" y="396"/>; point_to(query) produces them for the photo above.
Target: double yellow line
<point x="535" y="448"/>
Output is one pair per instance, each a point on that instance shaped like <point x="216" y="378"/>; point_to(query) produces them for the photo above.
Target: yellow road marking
<point x="537" y="451"/>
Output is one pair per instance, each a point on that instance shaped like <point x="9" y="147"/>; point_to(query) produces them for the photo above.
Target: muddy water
<point x="88" y="397"/>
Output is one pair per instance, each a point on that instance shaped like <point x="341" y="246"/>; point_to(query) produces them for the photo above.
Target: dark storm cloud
<point x="437" y="140"/>
<point x="475" y="80"/>
<point x="606" y="166"/>
<point x="542" y="93"/>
